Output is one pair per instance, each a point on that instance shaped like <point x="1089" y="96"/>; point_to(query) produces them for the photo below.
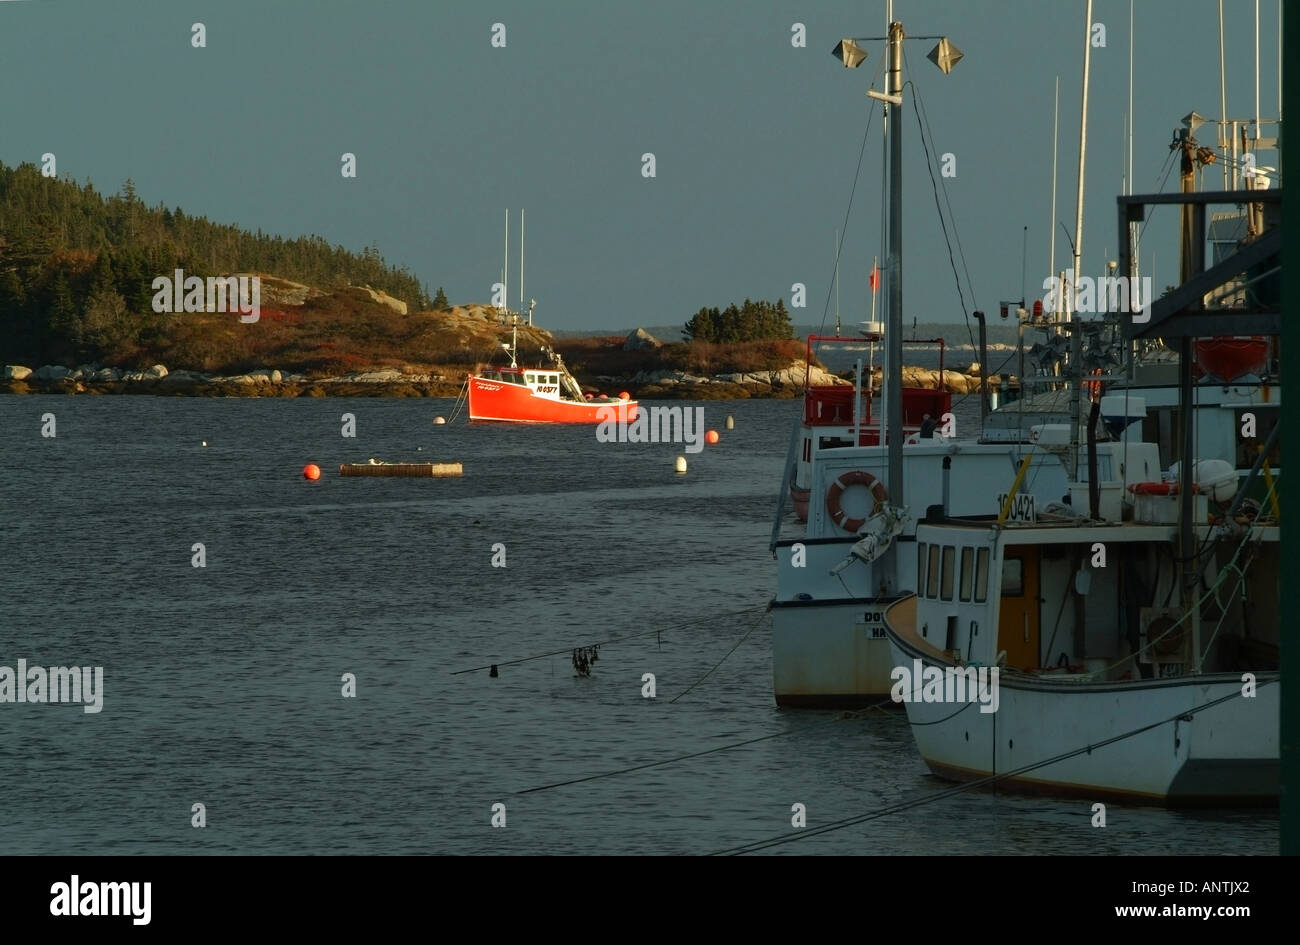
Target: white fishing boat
<point x="1114" y="677"/>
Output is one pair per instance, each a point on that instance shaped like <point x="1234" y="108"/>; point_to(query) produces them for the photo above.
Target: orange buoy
<point x="624" y="395"/>
<point x="711" y="437"/>
<point x="311" y="471"/>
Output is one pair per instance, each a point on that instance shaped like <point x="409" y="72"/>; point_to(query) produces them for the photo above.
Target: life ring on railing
<point x="858" y="477"/>
<point x="1094" y="387"/>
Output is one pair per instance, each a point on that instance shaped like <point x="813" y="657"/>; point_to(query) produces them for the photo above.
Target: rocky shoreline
<point x="268" y="382"/>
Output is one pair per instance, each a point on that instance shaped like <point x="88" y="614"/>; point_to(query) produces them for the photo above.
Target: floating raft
<point x="425" y="470"/>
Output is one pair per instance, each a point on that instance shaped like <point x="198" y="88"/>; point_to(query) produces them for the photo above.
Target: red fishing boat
<point x="544" y="394"/>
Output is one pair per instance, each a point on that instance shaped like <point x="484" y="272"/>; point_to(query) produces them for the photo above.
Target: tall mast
<point x="521" y="264"/>
<point x="1135" y="254"/>
<point x="505" y="270"/>
<point x="1051" y="217"/>
<point x="1128" y="175"/>
<point x="1083" y="147"/>
<point x="945" y="55"/>
<point x="1257" y="72"/>
<point x="894" y="328"/>
<point x="1223" y="107"/>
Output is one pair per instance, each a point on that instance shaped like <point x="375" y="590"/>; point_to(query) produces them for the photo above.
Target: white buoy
<point x="205" y="442"/>
<point x="681" y="464"/>
<point x="439" y="419"/>
<point x="731" y="422"/>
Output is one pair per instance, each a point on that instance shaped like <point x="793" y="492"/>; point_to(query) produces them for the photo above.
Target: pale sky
<point x="755" y="140"/>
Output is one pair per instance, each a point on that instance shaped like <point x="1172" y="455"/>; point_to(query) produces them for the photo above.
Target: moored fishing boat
<point x="1135" y="684"/>
<point x="865" y="487"/>
<point x="547" y="393"/>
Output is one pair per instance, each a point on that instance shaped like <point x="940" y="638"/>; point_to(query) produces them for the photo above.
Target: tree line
<point x="76" y="266"/>
<point x="750" y="321"/>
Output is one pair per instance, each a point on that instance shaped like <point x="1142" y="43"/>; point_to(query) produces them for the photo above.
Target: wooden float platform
<point x="423" y="470"/>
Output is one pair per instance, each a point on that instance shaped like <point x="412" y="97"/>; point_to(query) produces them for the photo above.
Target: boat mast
<point x="1076" y="349"/>
<point x="1223" y="108"/>
<point x="1136" y="256"/>
<point x="894" y="326"/>
<point x="945" y="55"/>
<point x="1083" y="146"/>
<point x="1051" y="217"/>
<point x="1191" y="264"/>
<point x="1134" y="260"/>
<point x="521" y="266"/>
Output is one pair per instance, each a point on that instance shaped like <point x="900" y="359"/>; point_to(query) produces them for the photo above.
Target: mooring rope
<point x="626" y="636"/>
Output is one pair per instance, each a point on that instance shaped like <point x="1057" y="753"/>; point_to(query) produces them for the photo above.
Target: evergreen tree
<point x="440" y="302"/>
<point x="701" y="327"/>
<point x="64" y="319"/>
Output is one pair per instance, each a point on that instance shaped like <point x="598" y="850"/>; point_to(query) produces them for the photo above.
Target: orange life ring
<point x="1094" y="387"/>
<point x="858" y="477"/>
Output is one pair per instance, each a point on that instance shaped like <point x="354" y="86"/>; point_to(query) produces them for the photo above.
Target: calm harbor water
<point x="222" y="685"/>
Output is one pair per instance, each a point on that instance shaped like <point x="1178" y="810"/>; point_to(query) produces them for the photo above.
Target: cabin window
<point x="967" y="571"/>
<point x="531" y="378"/>
<point x="555" y="378"/>
<point x="982" y="576"/>
<point x="949" y="559"/>
<point x="920" y="566"/>
<point x="932" y="573"/>
<point x="1013" y="577"/>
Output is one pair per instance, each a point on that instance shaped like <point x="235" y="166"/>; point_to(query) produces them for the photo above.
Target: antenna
<point x="1051" y="221"/>
<point x="837" y="281"/>
<point x="505" y="270"/>
<point x="1083" y="150"/>
<point x="521" y="262"/>
<point x="1024" y="262"/>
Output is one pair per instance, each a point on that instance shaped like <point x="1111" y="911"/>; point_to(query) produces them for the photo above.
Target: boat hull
<point x="799" y="498"/>
<point x="830" y="654"/>
<point x="515" y="403"/>
<point x="1186" y="741"/>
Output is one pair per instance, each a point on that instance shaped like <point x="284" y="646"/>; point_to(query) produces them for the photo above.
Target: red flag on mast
<point x="874" y="279"/>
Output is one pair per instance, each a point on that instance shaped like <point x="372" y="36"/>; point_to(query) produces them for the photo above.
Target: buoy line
<point x="964" y="786"/>
<point x="626" y="636"/>
<point x="839" y="716"/>
<point x="744" y="637"/>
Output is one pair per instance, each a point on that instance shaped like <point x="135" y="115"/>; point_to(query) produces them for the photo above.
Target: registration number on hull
<point x="1022" y="508"/>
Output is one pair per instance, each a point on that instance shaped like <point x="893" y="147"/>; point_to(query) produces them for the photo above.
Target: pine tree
<point x="701" y="327"/>
<point x="63" y="317"/>
<point x="440" y="303"/>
